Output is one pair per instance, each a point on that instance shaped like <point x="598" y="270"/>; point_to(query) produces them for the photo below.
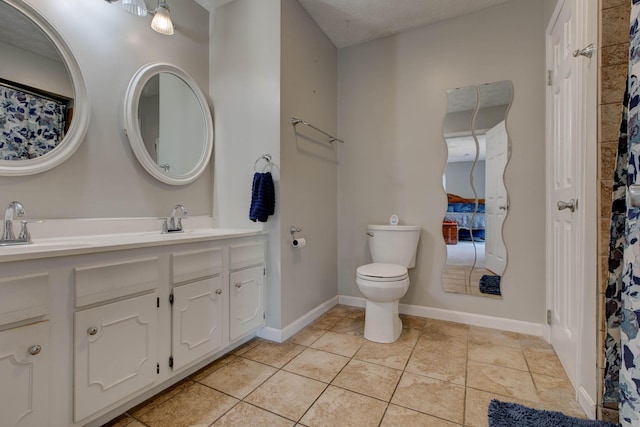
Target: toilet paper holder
<point x="293" y="230"/>
<point x="297" y="242"/>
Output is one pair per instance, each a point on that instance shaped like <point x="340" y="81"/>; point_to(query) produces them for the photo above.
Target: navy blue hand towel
<point x="263" y="197"/>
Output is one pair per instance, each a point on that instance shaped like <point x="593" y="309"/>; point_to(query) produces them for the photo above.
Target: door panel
<point x="246" y="305"/>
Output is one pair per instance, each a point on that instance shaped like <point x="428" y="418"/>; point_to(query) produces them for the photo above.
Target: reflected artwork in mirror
<point x="168" y="123"/>
<point x="477" y="204"/>
<point x="43" y="106"/>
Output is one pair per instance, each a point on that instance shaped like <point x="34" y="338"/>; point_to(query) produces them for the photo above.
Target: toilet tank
<point x="394" y="244"/>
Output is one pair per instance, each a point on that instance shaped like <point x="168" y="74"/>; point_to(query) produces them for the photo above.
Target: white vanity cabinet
<point x="86" y="336"/>
<point x="24" y="376"/>
<point x="25" y="352"/>
<point x="197" y="305"/>
<point x="246" y="283"/>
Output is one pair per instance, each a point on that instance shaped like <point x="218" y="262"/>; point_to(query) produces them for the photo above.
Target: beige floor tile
<point x="122" y="421"/>
<point x="349" y="326"/>
<point x="565" y="404"/>
<point x="247" y="346"/>
<point x="509" y="357"/>
<point x="530" y="341"/>
<point x="239" y="377"/>
<point x="390" y="355"/>
<point x="477" y="405"/>
<point x="413" y="322"/>
<point x="287" y="394"/>
<point x="274" y="354"/>
<point x="444" y="345"/>
<point x="327" y="321"/>
<point x="408" y="338"/>
<point x="316" y="364"/>
<point x="335" y="406"/>
<point x="344" y="345"/>
<point x="347" y="311"/>
<point x="439" y="366"/>
<point x="209" y="369"/>
<point x="492" y="336"/>
<point x="307" y="336"/>
<point x="549" y="386"/>
<point x="443" y="327"/>
<point x="503" y="381"/>
<point x="543" y="361"/>
<point x="159" y="398"/>
<point x="244" y="414"/>
<point x="355" y="313"/>
<point x="369" y="379"/>
<point x="430" y="396"/>
<point x="397" y="416"/>
<point x="195" y="405"/>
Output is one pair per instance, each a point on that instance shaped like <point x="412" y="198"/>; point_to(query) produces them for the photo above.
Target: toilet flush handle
<point x="369" y="233"/>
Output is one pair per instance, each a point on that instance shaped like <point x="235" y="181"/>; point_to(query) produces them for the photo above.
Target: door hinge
<point x="264" y="316"/>
<point x="264" y="271"/>
<point x="157" y="368"/>
<point x="171" y="298"/>
<point x="548" y="317"/>
<point x="549" y="78"/>
<point x="158" y="302"/>
<point x="171" y="361"/>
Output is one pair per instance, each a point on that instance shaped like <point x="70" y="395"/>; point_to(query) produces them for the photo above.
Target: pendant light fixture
<point x="135" y="7"/>
<point x="161" y="22"/>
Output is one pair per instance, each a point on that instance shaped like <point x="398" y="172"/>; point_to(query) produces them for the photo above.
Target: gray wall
<point x="458" y="181"/>
<point x="391" y="105"/>
<point x="103" y="178"/>
<point x="308" y="196"/>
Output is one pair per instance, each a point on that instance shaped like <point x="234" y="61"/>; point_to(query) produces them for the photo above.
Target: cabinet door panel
<point x="246" y="305"/>
<point x="197" y="320"/>
<point x="24" y="376"/>
<point x="115" y="352"/>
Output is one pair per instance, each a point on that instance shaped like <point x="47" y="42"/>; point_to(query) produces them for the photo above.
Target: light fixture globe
<point x="135" y="7"/>
<point x="162" y="20"/>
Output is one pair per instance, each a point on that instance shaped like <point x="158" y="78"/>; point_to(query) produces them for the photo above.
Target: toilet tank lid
<point x="394" y="227"/>
<point x="379" y="269"/>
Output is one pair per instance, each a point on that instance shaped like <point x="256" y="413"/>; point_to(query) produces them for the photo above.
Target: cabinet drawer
<point x="25" y="297"/>
<point x="192" y="265"/>
<point x="246" y="255"/>
<point x="103" y="282"/>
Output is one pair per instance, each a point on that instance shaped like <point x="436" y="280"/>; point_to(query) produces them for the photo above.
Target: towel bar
<point x="295" y="121"/>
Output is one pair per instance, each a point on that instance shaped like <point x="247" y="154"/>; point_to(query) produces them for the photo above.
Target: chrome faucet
<point x="174" y="222"/>
<point x="14" y="208"/>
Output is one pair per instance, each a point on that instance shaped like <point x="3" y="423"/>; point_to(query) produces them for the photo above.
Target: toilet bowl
<point x="386" y="280"/>
<point x="382" y="285"/>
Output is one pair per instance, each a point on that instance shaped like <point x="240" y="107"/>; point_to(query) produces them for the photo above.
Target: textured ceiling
<point x="349" y="22"/>
<point x="18" y="30"/>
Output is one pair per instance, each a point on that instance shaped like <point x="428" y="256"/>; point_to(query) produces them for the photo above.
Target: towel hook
<point x="267" y="158"/>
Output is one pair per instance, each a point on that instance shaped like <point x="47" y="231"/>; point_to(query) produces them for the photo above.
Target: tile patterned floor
<point x="438" y="374"/>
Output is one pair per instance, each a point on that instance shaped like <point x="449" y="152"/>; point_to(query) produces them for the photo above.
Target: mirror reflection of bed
<point x="478" y="150"/>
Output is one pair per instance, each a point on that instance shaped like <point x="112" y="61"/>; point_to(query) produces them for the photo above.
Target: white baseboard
<point x="281" y="335"/>
<point x="500" y="323"/>
<point x="587" y="404"/>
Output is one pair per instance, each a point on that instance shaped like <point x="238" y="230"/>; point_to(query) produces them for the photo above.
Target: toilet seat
<point x="382" y="272"/>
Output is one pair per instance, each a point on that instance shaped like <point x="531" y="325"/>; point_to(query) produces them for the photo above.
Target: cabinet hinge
<point x="171" y="298"/>
<point x="171" y="361"/>
<point x="549" y="78"/>
<point x="157" y="368"/>
<point x="548" y="317"/>
<point x="158" y="302"/>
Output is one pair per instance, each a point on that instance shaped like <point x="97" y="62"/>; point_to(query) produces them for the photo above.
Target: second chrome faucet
<point x="173" y="224"/>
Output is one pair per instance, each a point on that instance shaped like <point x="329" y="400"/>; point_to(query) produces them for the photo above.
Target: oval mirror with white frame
<point x="44" y="110"/>
<point x="168" y="123"/>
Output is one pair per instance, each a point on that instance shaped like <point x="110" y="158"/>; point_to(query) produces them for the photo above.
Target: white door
<point x="115" y="352"/>
<point x="196" y="328"/>
<point x="24" y="374"/>
<point x="571" y="254"/>
<point x="496" y="205"/>
<point x="246" y="307"/>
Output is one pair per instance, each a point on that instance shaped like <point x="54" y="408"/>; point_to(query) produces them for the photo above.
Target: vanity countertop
<point x="78" y="245"/>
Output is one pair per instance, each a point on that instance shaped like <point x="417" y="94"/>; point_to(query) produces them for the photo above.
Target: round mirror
<point x="44" y="112"/>
<point x="168" y="122"/>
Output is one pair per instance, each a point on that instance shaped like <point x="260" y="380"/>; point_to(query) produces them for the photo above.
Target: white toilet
<point x="383" y="283"/>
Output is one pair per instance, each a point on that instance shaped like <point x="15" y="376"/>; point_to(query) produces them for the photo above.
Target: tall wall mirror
<point x="477" y="202"/>
<point x="168" y="123"/>
<point x="44" y="113"/>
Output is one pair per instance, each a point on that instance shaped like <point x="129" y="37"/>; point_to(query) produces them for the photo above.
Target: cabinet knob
<point x="34" y="349"/>
<point x="92" y="330"/>
<point x="218" y="291"/>
<point x="238" y="285"/>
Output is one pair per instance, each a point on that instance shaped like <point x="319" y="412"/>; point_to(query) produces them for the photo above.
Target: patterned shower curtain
<point x="630" y="297"/>
<point x="31" y="125"/>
